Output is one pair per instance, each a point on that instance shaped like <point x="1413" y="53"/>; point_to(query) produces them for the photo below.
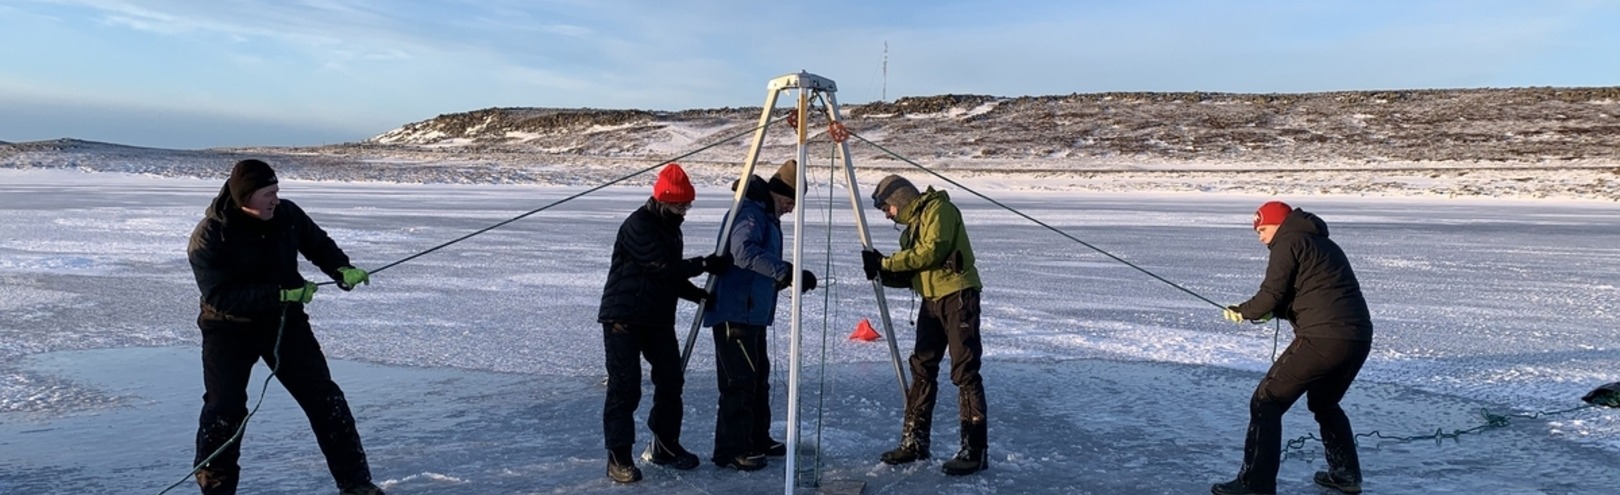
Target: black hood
<point x="225" y="210"/>
<point x="758" y="190"/>
<point x="1300" y="223"/>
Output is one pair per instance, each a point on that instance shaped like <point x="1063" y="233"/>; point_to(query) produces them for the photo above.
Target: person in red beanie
<point x="1309" y="283"/>
<point x="646" y="276"/>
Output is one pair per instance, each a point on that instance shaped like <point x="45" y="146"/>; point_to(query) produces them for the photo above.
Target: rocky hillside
<point x="1529" y="125"/>
<point x="1528" y="143"/>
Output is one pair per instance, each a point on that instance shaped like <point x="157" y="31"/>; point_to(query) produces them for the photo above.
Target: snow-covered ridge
<point x="1518" y="125"/>
<point x="1527" y="142"/>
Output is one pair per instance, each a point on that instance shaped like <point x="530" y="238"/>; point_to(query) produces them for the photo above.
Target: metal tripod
<point x="807" y="86"/>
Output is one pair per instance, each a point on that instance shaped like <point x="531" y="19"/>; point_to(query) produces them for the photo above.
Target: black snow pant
<point x="947" y="323"/>
<point x="229" y="351"/>
<point x="1321" y="370"/>
<point x="742" y="422"/>
<point x="626" y="345"/>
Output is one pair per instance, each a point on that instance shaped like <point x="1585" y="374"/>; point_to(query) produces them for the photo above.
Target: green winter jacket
<point x="934" y="249"/>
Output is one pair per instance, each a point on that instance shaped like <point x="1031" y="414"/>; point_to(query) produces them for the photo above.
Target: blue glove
<point x="301" y="294"/>
<point x="352" y="276"/>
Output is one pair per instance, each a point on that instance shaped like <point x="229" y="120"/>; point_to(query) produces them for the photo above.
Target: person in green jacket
<point x="935" y="260"/>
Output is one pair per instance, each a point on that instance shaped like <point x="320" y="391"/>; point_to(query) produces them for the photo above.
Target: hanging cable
<point x="564" y="200"/>
<point x="1032" y="219"/>
<point x="1276" y="336"/>
<point x="827" y="308"/>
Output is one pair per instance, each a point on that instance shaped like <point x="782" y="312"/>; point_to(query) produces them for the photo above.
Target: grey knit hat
<point x="894" y="190"/>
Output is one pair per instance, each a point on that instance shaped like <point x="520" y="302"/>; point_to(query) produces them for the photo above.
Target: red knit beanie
<point x="673" y="186"/>
<point x="1271" y="213"/>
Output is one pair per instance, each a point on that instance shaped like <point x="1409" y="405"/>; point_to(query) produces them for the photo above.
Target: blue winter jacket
<point x="746" y="293"/>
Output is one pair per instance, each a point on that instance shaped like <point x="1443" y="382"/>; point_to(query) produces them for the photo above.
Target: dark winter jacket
<point x="934" y="248"/>
<point x="647" y="273"/>
<point x="241" y="262"/>
<point x="746" y="293"/>
<point x="1309" y="283"/>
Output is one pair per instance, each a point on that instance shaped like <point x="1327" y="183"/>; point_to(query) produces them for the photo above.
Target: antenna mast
<point x="885" y="72"/>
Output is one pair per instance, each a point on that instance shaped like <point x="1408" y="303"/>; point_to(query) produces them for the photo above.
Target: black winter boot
<point x="670" y="454"/>
<point x="772" y="447"/>
<point x="974" y="456"/>
<point x="215" y="482"/>
<point x="365" y="489"/>
<point x="1338" y="480"/>
<point x="913" y="444"/>
<point x="1236" y="487"/>
<point x="745" y="462"/>
<point x="621" y="467"/>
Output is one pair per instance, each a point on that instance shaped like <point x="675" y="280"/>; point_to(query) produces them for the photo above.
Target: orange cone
<point x="864" y="332"/>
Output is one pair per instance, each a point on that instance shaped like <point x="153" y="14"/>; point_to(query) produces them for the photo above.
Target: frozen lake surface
<point x="475" y="369"/>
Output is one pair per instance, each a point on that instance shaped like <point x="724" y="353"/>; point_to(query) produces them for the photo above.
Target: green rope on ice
<point x="1296" y="448"/>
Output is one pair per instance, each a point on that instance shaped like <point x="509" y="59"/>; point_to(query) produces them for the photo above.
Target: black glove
<point x="692" y="293"/>
<point x="787" y="280"/>
<point x="739" y="332"/>
<point x="716" y="264"/>
<point x="871" y="261"/>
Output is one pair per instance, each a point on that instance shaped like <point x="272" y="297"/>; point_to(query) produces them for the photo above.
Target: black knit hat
<point x="786" y="178"/>
<point x="894" y="190"/>
<point x="248" y="176"/>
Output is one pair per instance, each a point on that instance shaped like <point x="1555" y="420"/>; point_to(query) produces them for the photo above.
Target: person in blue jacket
<point x="744" y="304"/>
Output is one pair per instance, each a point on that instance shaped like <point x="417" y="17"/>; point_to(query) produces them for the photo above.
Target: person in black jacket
<point x="1309" y="283"/>
<point x="244" y="254"/>
<point x="645" y="278"/>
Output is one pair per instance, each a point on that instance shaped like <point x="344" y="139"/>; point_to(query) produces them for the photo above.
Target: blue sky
<point x="195" y="73"/>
